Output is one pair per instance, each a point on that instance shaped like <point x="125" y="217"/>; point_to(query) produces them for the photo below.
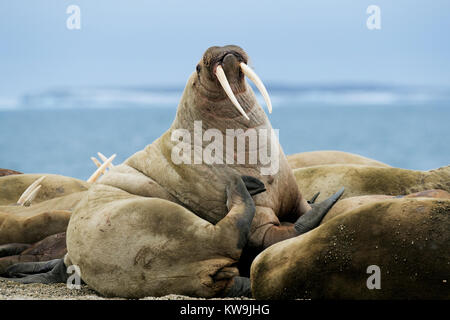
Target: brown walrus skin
<point x="407" y="238"/>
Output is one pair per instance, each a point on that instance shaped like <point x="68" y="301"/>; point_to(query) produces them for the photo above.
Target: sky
<point x="158" y="43"/>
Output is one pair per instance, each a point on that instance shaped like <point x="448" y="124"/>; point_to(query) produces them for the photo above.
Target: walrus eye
<point x="198" y="68"/>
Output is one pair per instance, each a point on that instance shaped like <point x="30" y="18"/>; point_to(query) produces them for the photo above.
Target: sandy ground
<point x="10" y="290"/>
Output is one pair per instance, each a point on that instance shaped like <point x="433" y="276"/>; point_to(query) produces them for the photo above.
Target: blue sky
<point x="134" y="43"/>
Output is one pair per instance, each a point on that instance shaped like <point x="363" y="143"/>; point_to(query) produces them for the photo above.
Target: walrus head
<point x="220" y="79"/>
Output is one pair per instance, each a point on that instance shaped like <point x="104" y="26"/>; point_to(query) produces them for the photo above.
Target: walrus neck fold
<point x="221" y="114"/>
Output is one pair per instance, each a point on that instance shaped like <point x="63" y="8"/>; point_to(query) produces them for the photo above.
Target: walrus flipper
<point x="241" y="207"/>
<point x="53" y="271"/>
<point x="12" y="249"/>
<point x="312" y="218"/>
<point x="242" y="211"/>
<point x="314" y="197"/>
<point x="240" y="288"/>
<point x="253" y="185"/>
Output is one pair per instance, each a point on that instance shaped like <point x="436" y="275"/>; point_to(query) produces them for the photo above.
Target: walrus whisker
<point x="96" y="162"/>
<point x="258" y="83"/>
<point x="101" y="169"/>
<point x="220" y="74"/>
<point x="31" y="197"/>
<point x="28" y="191"/>
<point x="104" y="158"/>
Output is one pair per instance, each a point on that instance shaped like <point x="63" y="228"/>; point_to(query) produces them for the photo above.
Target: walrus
<point x="49" y="248"/>
<point x="35" y="211"/>
<point x="50" y="212"/>
<point x="360" y="180"/>
<point x="405" y="239"/>
<point x="150" y="246"/>
<point x="352" y="203"/>
<point x="323" y="157"/>
<point x="218" y="98"/>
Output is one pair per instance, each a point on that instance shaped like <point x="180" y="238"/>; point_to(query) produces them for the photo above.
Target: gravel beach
<point x="10" y="290"/>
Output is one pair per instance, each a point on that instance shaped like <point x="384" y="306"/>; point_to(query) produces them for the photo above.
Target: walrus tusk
<point x="103" y="158"/>
<point x="258" y="83"/>
<point x="101" y="169"/>
<point x="96" y="162"/>
<point x="26" y="194"/>
<point x="220" y="74"/>
<point x="31" y="197"/>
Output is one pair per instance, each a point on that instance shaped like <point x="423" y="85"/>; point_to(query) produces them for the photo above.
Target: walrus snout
<point x="215" y="55"/>
<point x="230" y="64"/>
<point x="229" y="58"/>
<point x="222" y="69"/>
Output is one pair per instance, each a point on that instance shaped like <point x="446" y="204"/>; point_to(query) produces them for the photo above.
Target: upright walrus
<point x="217" y="105"/>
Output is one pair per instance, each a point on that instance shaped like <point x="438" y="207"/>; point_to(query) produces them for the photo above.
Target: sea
<point x="58" y="130"/>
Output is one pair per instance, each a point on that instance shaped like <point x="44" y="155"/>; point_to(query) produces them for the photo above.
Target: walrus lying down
<point x="408" y="239"/>
<point x="324" y="157"/>
<point x="133" y="246"/>
<point x="50" y="212"/>
<point x="50" y="248"/>
<point x="360" y="180"/>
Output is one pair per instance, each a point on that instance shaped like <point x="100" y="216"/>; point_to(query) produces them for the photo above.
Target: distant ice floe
<point x="8" y="103"/>
<point x="281" y="95"/>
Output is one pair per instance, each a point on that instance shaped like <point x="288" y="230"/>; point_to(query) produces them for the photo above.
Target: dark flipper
<point x="312" y="218"/>
<point x="254" y="186"/>
<point x="240" y="287"/>
<point x="314" y="197"/>
<point x="241" y="206"/>
<point x="53" y="271"/>
<point x="13" y="249"/>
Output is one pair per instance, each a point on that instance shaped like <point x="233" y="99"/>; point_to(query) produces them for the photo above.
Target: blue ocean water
<point x="59" y="132"/>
